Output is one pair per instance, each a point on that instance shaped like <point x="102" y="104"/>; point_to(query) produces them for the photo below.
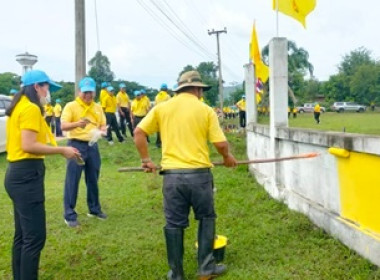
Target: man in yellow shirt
<point x="49" y="115"/>
<point x="103" y="92"/>
<point x="317" y="113"/>
<point x="242" y="116"/>
<point x="186" y="125"/>
<point x="161" y="96"/>
<point x="57" y="116"/>
<point x="109" y="106"/>
<point x="80" y="118"/>
<point x="123" y="107"/>
<point x="139" y="108"/>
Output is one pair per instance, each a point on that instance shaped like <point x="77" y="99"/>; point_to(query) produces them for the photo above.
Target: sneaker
<point x="100" y="216"/>
<point x="110" y="143"/>
<point x="72" y="224"/>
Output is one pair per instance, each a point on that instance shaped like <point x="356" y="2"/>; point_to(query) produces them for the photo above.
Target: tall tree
<point x="8" y="81"/>
<point x="100" y="69"/>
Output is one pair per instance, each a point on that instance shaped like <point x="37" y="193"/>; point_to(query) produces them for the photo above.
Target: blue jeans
<point x="91" y="157"/>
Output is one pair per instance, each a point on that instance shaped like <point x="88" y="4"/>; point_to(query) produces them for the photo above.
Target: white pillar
<point x="250" y="95"/>
<point x="278" y="96"/>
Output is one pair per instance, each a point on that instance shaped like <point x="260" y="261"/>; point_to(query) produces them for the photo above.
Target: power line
<point x="96" y="22"/>
<point x="167" y="27"/>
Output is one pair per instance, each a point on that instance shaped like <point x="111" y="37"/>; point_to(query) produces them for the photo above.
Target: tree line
<point x="357" y="79"/>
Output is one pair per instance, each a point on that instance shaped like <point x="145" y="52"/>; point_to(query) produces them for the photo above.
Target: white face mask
<point x="45" y="100"/>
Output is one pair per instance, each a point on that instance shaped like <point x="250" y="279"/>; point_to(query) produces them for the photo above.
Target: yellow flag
<point x="262" y="70"/>
<point x="297" y="9"/>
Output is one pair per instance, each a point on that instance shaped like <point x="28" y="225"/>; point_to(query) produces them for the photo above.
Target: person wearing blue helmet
<point x="12" y="92"/>
<point x="109" y="105"/>
<point x="139" y="108"/>
<point x="27" y="134"/>
<point x="242" y="115"/>
<point x="103" y="91"/>
<point x="81" y="119"/>
<point x="123" y="106"/>
<point x="162" y="96"/>
<point x="57" y="110"/>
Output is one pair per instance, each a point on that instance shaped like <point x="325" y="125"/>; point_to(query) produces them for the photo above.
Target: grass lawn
<point x="366" y="123"/>
<point x="267" y="241"/>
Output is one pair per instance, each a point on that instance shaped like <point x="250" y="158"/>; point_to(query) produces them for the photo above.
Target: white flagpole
<point x="277" y="18"/>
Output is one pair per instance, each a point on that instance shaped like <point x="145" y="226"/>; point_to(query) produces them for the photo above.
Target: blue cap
<point x="13" y="91"/>
<point x="164" y="86"/>
<point x="87" y="84"/>
<point x="143" y="91"/>
<point x="104" y="84"/>
<point x="37" y="76"/>
<point x="137" y="92"/>
<point x="58" y="100"/>
<point x="110" y="88"/>
<point x="122" y="85"/>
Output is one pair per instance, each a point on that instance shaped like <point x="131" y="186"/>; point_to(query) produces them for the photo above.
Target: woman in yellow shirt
<point x="27" y="134"/>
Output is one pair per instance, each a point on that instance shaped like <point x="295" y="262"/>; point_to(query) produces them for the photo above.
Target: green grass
<point x="365" y="123"/>
<point x="267" y="241"/>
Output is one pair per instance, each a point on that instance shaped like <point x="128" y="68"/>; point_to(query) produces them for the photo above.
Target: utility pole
<point x="80" y="42"/>
<point x="217" y="32"/>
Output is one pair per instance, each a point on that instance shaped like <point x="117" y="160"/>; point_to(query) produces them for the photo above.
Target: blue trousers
<point x="91" y="157"/>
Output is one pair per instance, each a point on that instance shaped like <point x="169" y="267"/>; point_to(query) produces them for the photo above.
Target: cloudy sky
<point x="150" y="41"/>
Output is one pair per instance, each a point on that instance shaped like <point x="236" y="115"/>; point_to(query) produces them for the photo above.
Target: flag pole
<point x="277" y="18"/>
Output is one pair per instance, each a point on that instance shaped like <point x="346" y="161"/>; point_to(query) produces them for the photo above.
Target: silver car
<point x="341" y="107"/>
<point x="5" y="101"/>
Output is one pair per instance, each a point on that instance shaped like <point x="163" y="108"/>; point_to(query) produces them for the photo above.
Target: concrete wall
<point x="327" y="189"/>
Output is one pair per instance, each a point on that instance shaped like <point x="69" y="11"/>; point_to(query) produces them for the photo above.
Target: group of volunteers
<point x="183" y="125"/>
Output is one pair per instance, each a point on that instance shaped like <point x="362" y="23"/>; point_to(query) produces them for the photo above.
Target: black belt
<point x="185" y="171"/>
<point x="80" y="141"/>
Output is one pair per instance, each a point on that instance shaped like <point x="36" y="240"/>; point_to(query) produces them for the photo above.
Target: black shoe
<point x="72" y="224"/>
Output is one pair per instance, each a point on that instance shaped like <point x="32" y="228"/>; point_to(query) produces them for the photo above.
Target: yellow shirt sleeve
<point x="149" y="123"/>
<point x="30" y="119"/>
<point x="215" y="133"/>
<point x="67" y="114"/>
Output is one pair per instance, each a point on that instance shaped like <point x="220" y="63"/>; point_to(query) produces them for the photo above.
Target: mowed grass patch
<point x="350" y="122"/>
<point x="267" y="240"/>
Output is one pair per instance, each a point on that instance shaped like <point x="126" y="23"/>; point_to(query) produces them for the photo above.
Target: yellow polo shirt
<point x="185" y="125"/>
<point x="139" y="108"/>
<point x="25" y="116"/>
<point x="122" y="99"/>
<point x="317" y="108"/>
<point x="75" y="110"/>
<point x="161" y="97"/>
<point x="241" y="105"/>
<point x="57" y="110"/>
<point x="48" y="110"/>
<point x="109" y="103"/>
<point x="103" y="93"/>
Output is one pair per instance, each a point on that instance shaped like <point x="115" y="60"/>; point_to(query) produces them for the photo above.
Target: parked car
<point x="5" y="101"/>
<point x="341" y="107"/>
<point x="309" y="108"/>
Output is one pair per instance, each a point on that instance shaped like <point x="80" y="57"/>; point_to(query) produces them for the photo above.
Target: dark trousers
<point x="242" y="118"/>
<point x="24" y="182"/>
<point x="136" y="121"/>
<point x="184" y="191"/>
<point x="316" y="116"/>
<point x="112" y="125"/>
<point x="158" y="140"/>
<point x="58" y="131"/>
<point x="125" y="120"/>
<point x="91" y="157"/>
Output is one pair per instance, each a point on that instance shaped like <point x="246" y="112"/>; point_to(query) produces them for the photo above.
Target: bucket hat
<point x="191" y="79"/>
